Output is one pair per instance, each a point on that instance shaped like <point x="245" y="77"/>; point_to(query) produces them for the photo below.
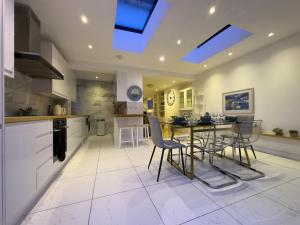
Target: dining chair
<point x="248" y="132"/>
<point x="158" y="141"/>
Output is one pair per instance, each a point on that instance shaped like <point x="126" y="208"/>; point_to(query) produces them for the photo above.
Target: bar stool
<point x="145" y="134"/>
<point x="129" y="129"/>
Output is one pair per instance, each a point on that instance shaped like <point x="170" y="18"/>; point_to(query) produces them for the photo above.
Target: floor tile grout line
<point x="146" y="191"/>
<point x="208" y="214"/>
<point x="89" y="218"/>
<point x="60" y="206"/>
<point x="282" y="204"/>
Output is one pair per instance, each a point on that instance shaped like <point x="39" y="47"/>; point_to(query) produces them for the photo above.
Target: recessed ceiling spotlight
<point x="97" y="77"/>
<point x="212" y="10"/>
<point x="179" y="42"/>
<point x="230" y="54"/>
<point x="271" y="34"/>
<point x="205" y="66"/>
<point x="162" y="58"/>
<point x="90" y="46"/>
<point x="84" y="19"/>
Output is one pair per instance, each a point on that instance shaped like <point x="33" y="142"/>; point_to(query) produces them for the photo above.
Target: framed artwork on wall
<point x="134" y="93"/>
<point x="239" y="102"/>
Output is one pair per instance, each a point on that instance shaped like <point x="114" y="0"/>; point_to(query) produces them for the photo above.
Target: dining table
<point x="196" y="127"/>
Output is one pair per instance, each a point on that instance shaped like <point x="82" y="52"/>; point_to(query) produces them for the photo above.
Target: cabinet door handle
<point x="44" y="134"/>
<point x="9" y="72"/>
<point x="56" y="130"/>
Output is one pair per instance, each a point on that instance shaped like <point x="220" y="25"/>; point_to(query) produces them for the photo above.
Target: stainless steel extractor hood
<point x="27" y="46"/>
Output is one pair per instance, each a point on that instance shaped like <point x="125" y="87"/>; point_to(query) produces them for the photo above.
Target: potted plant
<point x="293" y="133"/>
<point x="278" y="131"/>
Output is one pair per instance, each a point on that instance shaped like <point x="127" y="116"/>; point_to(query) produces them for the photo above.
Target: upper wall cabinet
<point x="9" y="38"/>
<point x="61" y="88"/>
<point x="186" y="99"/>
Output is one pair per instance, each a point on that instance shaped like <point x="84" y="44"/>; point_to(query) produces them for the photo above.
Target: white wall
<point x="274" y="73"/>
<point x="124" y="81"/>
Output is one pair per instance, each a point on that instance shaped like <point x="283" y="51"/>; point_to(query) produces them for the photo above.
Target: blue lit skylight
<point x="225" y="38"/>
<point x="129" y="39"/>
<point x="133" y="15"/>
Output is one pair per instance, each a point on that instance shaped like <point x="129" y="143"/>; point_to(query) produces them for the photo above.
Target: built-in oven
<point x="59" y="139"/>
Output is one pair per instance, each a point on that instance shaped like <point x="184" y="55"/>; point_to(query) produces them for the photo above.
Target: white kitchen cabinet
<point x="28" y="148"/>
<point x="8" y="38"/>
<point x="62" y="88"/>
<point x="20" y="170"/>
<point x="76" y="134"/>
<point x="186" y="99"/>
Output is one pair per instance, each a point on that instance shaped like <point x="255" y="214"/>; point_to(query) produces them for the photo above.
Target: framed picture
<point x="239" y="102"/>
<point x="134" y="93"/>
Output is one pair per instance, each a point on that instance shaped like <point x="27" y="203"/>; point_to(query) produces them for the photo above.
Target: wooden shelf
<point x="269" y="134"/>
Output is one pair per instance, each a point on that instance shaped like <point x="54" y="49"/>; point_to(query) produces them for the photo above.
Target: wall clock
<point x="171" y="97"/>
<point x="134" y="93"/>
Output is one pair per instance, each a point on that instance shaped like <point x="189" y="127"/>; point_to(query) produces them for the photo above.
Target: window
<point x="133" y="15"/>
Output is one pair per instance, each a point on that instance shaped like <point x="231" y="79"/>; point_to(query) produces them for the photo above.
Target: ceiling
<point x="97" y="76"/>
<point x="153" y="84"/>
<point x="187" y="20"/>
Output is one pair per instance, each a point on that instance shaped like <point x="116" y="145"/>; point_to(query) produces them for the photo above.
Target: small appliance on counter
<point x="57" y="110"/>
<point x="63" y="111"/>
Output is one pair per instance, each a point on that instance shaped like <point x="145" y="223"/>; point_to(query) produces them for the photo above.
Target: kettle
<point x="57" y="110"/>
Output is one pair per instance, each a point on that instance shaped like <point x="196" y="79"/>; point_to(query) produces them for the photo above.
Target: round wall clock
<point x="134" y="93"/>
<point x="171" y="97"/>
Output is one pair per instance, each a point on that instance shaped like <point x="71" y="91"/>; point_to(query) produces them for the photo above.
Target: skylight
<point x="133" y="15"/>
<point x="225" y="38"/>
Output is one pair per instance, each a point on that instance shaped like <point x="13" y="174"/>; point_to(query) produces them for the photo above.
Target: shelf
<point x="269" y="134"/>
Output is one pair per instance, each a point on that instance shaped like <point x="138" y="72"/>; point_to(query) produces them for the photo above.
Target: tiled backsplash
<point x="19" y="94"/>
<point x="95" y="98"/>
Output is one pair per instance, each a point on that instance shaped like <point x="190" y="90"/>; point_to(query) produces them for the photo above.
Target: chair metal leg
<point x="161" y="160"/>
<point x="171" y="152"/>
<point x="183" y="166"/>
<point x="253" y="151"/>
<point x="151" y="156"/>
<point x="240" y="154"/>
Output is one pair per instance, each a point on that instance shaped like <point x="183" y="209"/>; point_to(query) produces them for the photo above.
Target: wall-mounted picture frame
<point x="134" y="93"/>
<point x="239" y="102"/>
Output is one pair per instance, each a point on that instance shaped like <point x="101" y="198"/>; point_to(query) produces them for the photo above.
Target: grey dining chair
<point x="158" y="141"/>
<point x="248" y="133"/>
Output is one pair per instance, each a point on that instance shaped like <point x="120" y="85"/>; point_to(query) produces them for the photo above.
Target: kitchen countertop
<point x="127" y="115"/>
<point x="20" y="119"/>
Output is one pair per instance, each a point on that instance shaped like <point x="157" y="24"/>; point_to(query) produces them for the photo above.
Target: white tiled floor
<point x="102" y="185"/>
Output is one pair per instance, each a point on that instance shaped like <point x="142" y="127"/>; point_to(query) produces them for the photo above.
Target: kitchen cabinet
<point x="8" y="38"/>
<point x="60" y="88"/>
<point x="29" y="165"/>
<point x="76" y="133"/>
<point x="20" y="171"/>
<point x="28" y="147"/>
<point x="186" y="99"/>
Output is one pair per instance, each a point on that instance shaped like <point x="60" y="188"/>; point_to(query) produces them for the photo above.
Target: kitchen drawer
<point x="43" y="140"/>
<point x="43" y="173"/>
<point x="43" y="155"/>
<point x="42" y="127"/>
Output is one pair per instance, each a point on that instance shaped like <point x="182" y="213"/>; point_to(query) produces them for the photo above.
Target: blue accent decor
<point x="225" y="38"/>
<point x="133" y="15"/>
<point x="129" y="41"/>
<point x="134" y="93"/>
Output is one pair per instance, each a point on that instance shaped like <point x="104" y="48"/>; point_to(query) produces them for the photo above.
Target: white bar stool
<point x="145" y="131"/>
<point x="129" y="129"/>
